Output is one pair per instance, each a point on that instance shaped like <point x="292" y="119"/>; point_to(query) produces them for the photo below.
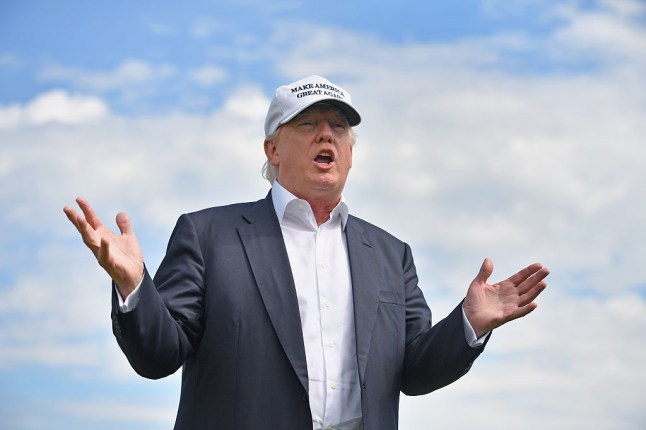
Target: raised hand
<point x="490" y="306"/>
<point x="120" y="255"/>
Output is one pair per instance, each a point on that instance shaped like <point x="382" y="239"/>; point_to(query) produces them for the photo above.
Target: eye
<point x="338" y="125"/>
<point x="307" y="123"/>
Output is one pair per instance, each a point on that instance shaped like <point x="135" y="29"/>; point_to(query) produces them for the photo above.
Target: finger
<point x="87" y="234"/>
<point x="85" y="230"/>
<point x="91" y="216"/>
<point x="523" y="311"/>
<point x="485" y="271"/>
<point x="520" y="276"/>
<point x="123" y="222"/>
<point x="103" y="253"/>
<point x="533" y="280"/>
<point x="532" y="293"/>
<point x="71" y="215"/>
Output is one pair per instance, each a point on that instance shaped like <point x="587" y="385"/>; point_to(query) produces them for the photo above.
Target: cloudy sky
<point x="513" y="130"/>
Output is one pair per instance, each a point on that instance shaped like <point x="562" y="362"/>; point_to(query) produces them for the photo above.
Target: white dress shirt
<point x="318" y="256"/>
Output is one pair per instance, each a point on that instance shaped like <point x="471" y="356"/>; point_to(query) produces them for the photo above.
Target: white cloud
<point x="130" y="73"/>
<point x="56" y="314"/>
<point x="208" y="76"/>
<point x="249" y="103"/>
<point x="10" y="116"/>
<point x="205" y="26"/>
<point x="178" y="162"/>
<point x="103" y="410"/>
<point x="628" y="8"/>
<point x="516" y="166"/>
<point x="58" y="106"/>
<point x="158" y="28"/>
<point x="571" y="365"/>
<point x="9" y="60"/>
<point x="613" y="34"/>
<point x="55" y="106"/>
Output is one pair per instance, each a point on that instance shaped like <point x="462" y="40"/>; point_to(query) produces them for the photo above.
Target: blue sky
<point x="513" y="130"/>
<point x="238" y="36"/>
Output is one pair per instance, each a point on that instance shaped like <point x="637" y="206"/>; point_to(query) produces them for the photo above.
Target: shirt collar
<point x="281" y="198"/>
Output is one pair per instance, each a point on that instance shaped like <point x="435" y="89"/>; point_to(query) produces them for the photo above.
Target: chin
<point x="327" y="182"/>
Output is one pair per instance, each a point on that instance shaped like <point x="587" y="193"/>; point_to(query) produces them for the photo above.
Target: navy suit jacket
<point x="223" y="305"/>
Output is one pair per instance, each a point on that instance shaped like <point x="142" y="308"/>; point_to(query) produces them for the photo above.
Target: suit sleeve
<point x="435" y="355"/>
<point x="165" y="327"/>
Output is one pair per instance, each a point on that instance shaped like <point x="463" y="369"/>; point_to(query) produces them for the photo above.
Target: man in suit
<point x="288" y="312"/>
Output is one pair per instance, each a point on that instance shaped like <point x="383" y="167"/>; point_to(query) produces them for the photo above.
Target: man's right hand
<point x="119" y="255"/>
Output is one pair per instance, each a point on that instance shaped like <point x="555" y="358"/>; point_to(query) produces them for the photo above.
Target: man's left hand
<point x="489" y="306"/>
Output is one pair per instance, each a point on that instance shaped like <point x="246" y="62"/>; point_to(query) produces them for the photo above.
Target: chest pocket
<point x="391" y="297"/>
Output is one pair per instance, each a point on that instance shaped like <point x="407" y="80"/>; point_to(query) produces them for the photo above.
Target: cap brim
<point x="348" y="111"/>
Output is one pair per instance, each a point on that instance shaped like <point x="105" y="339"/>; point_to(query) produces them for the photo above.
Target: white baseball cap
<point x="292" y="99"/>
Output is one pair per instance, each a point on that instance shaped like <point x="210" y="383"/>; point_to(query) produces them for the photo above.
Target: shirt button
<point x="330" y="344"/>
<point x="333" y="385"/>
<point x="327" y="303"/>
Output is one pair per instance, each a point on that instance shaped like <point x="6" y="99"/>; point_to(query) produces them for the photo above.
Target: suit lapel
<point x="265" y="248"/>
<point x="365" y="289"/>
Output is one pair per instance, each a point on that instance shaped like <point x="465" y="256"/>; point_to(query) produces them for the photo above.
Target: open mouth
<point x="324" y="158"/>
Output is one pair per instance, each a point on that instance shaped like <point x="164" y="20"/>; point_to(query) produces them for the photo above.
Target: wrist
<point x="126" y="287"/>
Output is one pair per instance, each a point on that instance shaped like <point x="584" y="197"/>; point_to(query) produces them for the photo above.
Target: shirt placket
<point x="329" y="333"/>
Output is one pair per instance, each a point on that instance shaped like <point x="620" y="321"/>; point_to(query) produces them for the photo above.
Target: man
<point x="289" y="313"/>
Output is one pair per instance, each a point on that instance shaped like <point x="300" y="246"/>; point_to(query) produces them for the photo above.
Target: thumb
<point x="485" y="271"/>
<point x="123" y="222"/>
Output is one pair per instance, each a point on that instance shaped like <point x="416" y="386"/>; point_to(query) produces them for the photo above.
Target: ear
<point x="271" y="151"/>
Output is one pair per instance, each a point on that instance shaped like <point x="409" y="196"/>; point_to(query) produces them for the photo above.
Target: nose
<point x="324" y="133"/>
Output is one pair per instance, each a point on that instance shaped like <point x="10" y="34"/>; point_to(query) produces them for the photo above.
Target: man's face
<point x="312" y="154"/>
